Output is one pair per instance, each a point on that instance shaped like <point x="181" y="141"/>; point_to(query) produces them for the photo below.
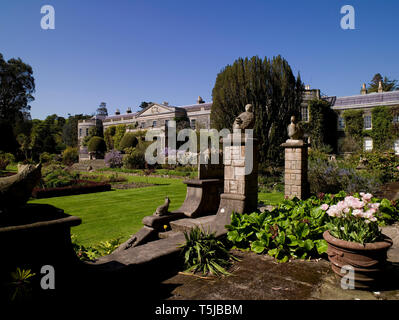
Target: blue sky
<point x="124" y="52"/>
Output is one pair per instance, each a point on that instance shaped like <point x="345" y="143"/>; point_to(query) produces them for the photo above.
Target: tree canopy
<point x="387" y="84"/>
<point x="270" y="86"/>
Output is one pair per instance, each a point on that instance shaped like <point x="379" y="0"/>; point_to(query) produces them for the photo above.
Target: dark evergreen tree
<point x="270" y="86"/>
<point x="102" y="109"/>
<point x="387" y="84"/>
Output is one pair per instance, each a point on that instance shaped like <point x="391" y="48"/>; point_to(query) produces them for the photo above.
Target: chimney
<point x="117" y="112"/>
<point x="307" y="87"/>
<point x="200" y="100"/>
<point x="380" y="87"/>
<point x="364" y="90"/>
<point x="129" y="110"/>
<point x="165" y="103"/>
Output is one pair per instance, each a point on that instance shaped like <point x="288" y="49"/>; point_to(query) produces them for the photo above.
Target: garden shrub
<point x="96" y="144"/>
<point x="385" y="163"/>
<point x="334" y="176"/>
<point x="79" y="187"/>
<point x="70" y="155"/>
<point x="5" y="159"/>
<point x="120" y="131"/>
<point x="113" y="159"/>
<point x="56" y="176"/>
<point x="91" y="253"/>
<point x="135" y="159"/>
<point x="129" y="140"/>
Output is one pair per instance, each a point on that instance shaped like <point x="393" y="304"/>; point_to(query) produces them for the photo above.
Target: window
<point x="305" y="113"/>
<point x="396" y="146"/>
<point x="368" y="144"/>
<point x="396" y="118"/>
<point x="142" y="125"/>
<point x="341" y="123"/>
<point x="87" y="131"/>
<point x="154" y="123"/>
<point x="367" y="122"/>
<point x="192" y="123"/>
<point x="80" y="132"/>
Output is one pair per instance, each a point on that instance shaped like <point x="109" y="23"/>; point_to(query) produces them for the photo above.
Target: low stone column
<point x="296" y="169"/>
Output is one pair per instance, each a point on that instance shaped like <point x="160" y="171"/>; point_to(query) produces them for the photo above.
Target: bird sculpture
<point x="162" y="210"/>
<point x="245" y="120"/>
<point x="16" y="190"/>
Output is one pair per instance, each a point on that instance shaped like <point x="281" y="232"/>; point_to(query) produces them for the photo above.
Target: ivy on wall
<point x="383" y="131"/>
<point x="322" y="125"/>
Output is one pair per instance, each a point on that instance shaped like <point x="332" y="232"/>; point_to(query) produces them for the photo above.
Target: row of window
<point x="81" y="131"/>
<point x="341" y="121"/>
<point x="368" y="145"/>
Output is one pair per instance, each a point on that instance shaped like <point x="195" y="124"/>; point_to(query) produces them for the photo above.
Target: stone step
<point x="187" y="224"/>
<point x="167" y="234"/>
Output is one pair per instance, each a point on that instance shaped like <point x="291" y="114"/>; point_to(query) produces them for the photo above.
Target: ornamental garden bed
<point x="78" y="187"/>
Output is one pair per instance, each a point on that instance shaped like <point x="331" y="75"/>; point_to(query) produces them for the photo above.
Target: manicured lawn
<point x="118" y="213"/>
<point x="272" y="198"/>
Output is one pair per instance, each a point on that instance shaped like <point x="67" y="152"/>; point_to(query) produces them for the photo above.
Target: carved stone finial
<point x="294" y="131"/>
<point x="245" y="120"/>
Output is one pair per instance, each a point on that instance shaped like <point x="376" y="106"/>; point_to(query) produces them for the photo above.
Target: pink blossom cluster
<point x="361" y="208"/>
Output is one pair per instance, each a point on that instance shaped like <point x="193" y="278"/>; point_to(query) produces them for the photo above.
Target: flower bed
<point x="294" y="229"/>
<point x="79" y="187"/>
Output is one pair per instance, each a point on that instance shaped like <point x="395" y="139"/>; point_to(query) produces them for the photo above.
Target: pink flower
<point x="324" y="207"/>
<point x="358" y="213"/>
<point x="367" y="197"/>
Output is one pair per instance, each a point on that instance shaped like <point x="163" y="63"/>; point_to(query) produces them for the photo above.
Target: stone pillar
<point x="296" y="169"/>
<point x="240" y="190"/>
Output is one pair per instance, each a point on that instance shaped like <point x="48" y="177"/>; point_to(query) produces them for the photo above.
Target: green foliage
<point x="321" y="127"/>
<point x="20" y="284"/>
<point x="387" y="84"/>
<point x="5" y="159"/>
<point x="93" y="252"/>
<point x="70" y="155"/>
<point x="294" y="229"/>
<point x="120" y="131"/>
<point x="96" y="144"/>
<point x="203" y="252"/>
<point x="354" y="124"/>
<point x="134" y="159"/>
<point x="17" y="86"/>
<point x="69" y="131"/>
<point x="109" y="137"/>
<point x="96" y="131"/>
<point x="333" y="176"/>
<point x="129" y="140"/>
<point x="270" y="86"/>
<point x="382" y="129"/>
<point x="56" y="176"/>
<point x="386" y="164"/>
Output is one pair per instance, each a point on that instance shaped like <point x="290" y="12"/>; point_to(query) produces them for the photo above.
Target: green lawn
<point x="118" y="213"/>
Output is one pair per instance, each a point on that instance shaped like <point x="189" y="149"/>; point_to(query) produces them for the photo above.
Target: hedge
<point x="80" y="187"/>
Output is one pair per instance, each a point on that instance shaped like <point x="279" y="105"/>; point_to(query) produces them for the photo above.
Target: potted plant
<point x="355" y="240"/>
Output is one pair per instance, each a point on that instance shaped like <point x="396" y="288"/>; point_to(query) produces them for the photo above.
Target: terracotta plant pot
<point x="368" y="260"/>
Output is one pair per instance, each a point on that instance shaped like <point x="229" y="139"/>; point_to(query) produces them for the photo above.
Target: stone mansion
<point x="156" y="116"/>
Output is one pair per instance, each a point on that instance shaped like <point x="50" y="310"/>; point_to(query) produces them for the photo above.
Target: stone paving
<point x="260" y="277"/>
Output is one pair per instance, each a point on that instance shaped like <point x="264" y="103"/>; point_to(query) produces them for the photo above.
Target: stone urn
<point x="368" y="261"/>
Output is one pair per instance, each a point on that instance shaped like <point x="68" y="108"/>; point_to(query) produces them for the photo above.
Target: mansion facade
<point x="156" y="116"/>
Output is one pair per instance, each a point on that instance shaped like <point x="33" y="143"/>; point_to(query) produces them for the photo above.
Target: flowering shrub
<point x="354" y="219"/>
<point x="113" y="159"/>
<point x="386" y="163"/>
<point x="332" y="177"/>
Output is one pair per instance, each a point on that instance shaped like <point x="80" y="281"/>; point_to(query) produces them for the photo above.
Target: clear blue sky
<point x="125" y="51"/>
